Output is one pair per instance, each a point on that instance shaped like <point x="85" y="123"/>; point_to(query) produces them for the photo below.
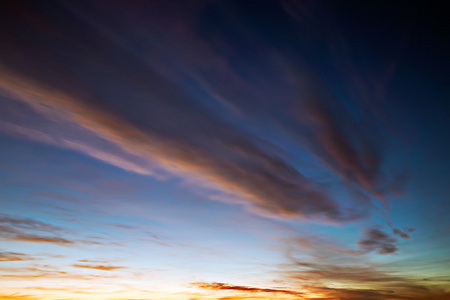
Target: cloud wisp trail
<point x="148" y="114"/>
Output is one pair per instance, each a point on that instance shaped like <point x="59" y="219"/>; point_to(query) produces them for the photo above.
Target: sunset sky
<point x="224" y="149"/>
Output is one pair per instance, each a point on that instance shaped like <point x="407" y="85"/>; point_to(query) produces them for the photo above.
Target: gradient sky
<point x="248" y="149"/>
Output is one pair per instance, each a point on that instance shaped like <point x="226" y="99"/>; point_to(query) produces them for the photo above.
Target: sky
<point x="224" y="149"/>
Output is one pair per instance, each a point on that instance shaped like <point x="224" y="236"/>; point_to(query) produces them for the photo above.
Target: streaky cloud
<point x="32" y="231"/>
<point x="169" y="124"/>
<point x="218" y="286"/>
<point x="98" y="267"/>
<point x="266" y="186"/>
<point x="14" y="256"/>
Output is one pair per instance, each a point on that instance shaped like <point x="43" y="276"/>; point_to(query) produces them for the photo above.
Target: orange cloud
<point x="270" y="192"/>
<point x="41" y="239"/>
<point x="17" y="296"/>
<point x="223" y="286"/>
<point x="166" y="124"/>
<point x="97" y="267"/>
<point x="14" y="256"/>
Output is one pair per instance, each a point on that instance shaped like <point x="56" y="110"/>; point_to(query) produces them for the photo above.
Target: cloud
<point x="29" y="230"/>
<point x="414" y="293"/>
<point x="180" y="134"/>
<point x="267" y="182"/>
<point x="357" y="294"/>
<point x="320" y="267"/>
<point x="106" y="157"/>
<point x="368" y="281"/>
<point x="320" y="247"/>
<point x="176" y="85"/>
<point x="97" y="267"/>
<point x="188" y="97"/>
<point x="56" y="130"/>
<point x="351" y="146"/>
<point x="376" y="240"/>
<point x="218" y="286"/>
<point x="8" y="223"/>
<point x="318" y="291"/>
<point x="17" y="296"/>
<point x="307" y="271"/>
<point x="354" y="145"/>
<point x="14" y="256"/>
<point x="44" y="271"/>
<point x="400" y="233"/>
<point x="41" y="239"/>
<point x="344" y="148"/>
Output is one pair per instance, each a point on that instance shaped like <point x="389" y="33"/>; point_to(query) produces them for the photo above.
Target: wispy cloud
<point x="62" y="139"/>
<point x="320" y="265"/>
<point x="41" y="239"/>
<point x="342" y="273"/>
<point x="368" y="282"/>
<point x="29" y="230"/>
<point x="218" y="286"/>
<point x="15" y="296"/>
<point x="97" y="267"/>
<point x="169" y="125"/>
<point x="14" y="256"/>
<point x="400" y="233"/>
<point x="264" y="183"/>
<point x="378" y="241"/>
